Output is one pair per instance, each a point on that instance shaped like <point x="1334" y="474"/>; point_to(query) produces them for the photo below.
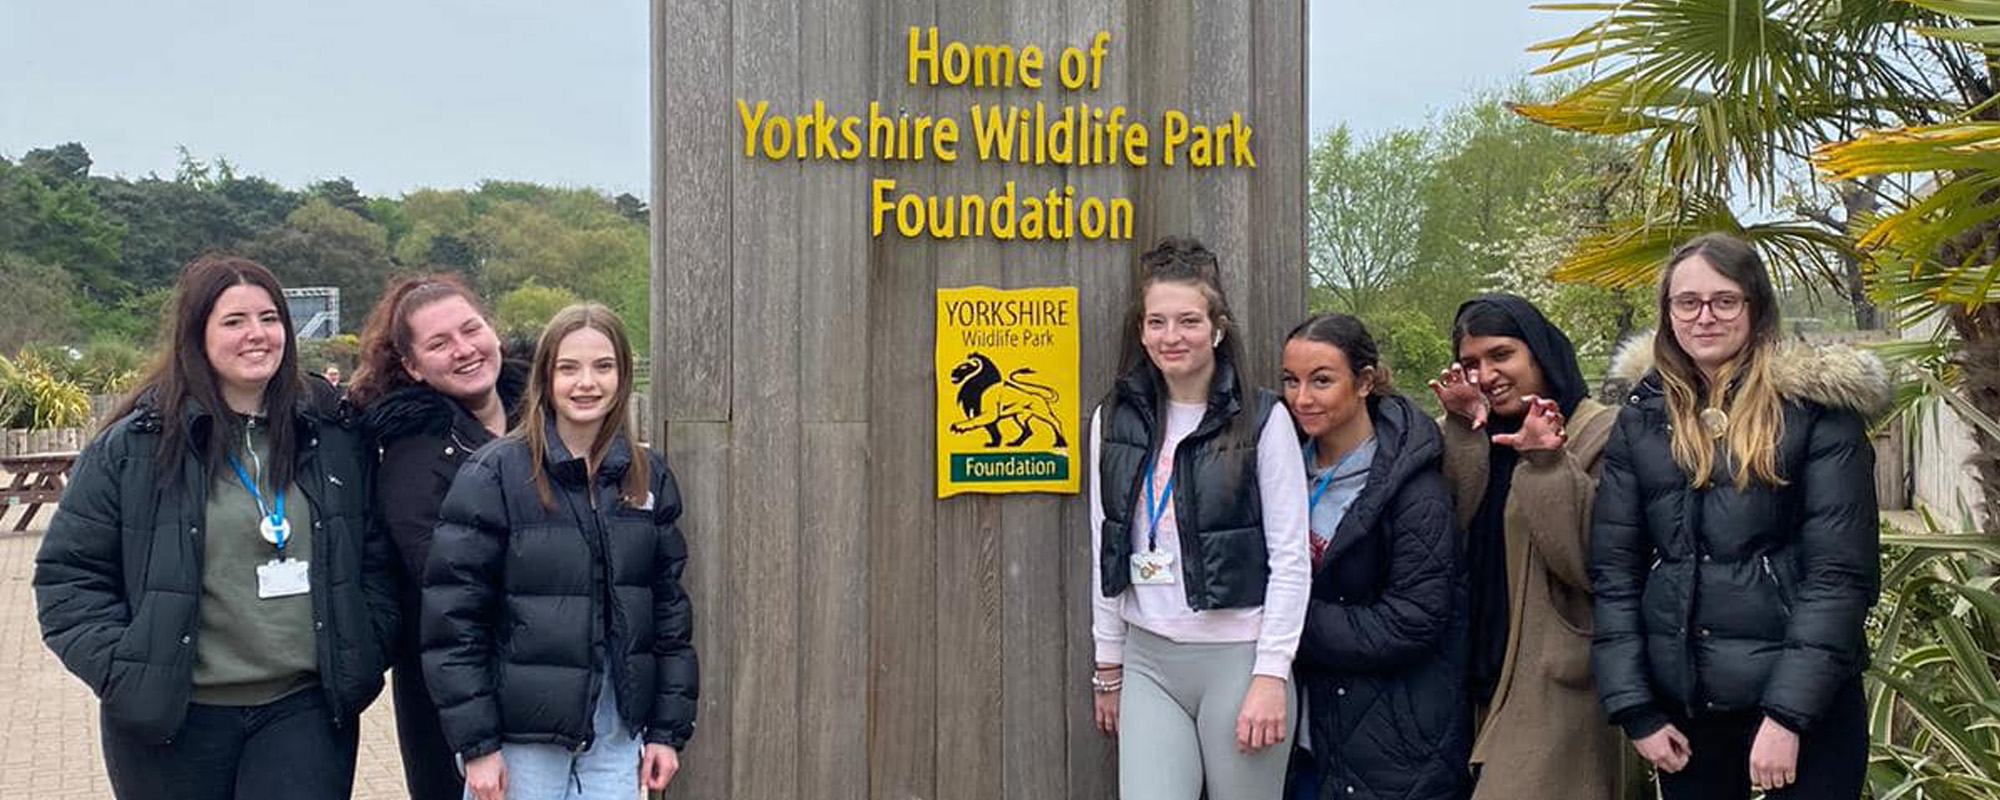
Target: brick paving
<point x="48" y="718"/>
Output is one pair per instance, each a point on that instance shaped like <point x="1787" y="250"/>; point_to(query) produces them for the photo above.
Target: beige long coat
<point x="1544" y="736"/>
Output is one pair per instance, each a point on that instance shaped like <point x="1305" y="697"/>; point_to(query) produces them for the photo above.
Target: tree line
<point x="89" y="259"/>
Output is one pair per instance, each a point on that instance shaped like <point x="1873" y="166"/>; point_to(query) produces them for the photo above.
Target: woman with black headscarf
<point x="1521" y="453"/>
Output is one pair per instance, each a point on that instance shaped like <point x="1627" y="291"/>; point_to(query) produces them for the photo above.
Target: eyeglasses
<point x="1687" y="307"/>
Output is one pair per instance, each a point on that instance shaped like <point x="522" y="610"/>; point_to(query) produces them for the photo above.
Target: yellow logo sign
<point x="1007" y="390"/>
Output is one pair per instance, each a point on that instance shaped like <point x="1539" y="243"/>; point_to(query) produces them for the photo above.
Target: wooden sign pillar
<point x="858" y="637"/>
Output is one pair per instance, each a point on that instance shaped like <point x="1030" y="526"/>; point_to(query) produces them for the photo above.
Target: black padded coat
<point x="1382" y="657"/>
<point x="118" y="576"/>
<point x="515" y="602"/>
<point x="1721" y="599"/>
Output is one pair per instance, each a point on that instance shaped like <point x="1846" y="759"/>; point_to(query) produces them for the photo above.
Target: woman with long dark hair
<point x="433" y="387"/>
<point x="1382" y="659"/>
<point x="1200" y="528"/>
<point x="1734" y="547"/>
<point x="212" y="572"/>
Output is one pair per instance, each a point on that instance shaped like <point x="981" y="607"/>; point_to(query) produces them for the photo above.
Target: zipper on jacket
<point x="303" y="473"/>
<point x="1784" y="602"/>
<point x="600" y="672"/>
<point x="614" y="645"/>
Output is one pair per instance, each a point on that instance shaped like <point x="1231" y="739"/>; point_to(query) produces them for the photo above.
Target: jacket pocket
<point x="1566" y="643"/>
<point x="1777" y="586"/>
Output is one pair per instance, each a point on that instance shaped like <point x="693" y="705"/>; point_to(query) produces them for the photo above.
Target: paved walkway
<point x="48" y="718"/>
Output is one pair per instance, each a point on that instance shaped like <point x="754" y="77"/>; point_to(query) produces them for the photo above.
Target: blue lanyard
<point x="1324" y="481"/>
<point x="1155" y="511"/>
<point x="1319" y="487"/>
<point x="276" y="515"/>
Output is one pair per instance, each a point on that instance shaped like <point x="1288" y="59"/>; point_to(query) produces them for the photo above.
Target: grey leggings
<point x="1177" y="723"/>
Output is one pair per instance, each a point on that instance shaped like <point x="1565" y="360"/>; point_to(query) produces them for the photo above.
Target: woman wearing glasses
<point x="1734" y="548"/>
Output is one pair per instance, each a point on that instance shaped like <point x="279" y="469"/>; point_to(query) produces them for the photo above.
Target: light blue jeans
<point x="609" y="770"/>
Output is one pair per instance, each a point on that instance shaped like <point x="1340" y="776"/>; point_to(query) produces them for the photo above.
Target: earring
<point x="1217" y="341"/>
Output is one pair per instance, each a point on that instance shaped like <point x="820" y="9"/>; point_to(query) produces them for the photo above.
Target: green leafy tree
<point x="1362" y="207"/>
<point x="168" y="223"/>
<point x="38" y="304"/>
<point x="64" y="163"/>
<point x="60" y="225"/>
<point x="523" y="311"/>
<point x="324" y="245"/>
<point x="572" y="240"/>
<point x="633" y="208"/>
<point x="340" y="193"/>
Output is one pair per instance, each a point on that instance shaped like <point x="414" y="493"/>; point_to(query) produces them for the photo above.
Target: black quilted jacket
<point x="1382" y="658"/>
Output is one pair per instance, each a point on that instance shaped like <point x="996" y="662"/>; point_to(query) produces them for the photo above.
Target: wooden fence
<point x="24" y="441"/>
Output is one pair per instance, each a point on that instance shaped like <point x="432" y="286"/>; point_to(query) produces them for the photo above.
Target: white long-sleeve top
<point x="1162" y="608"/>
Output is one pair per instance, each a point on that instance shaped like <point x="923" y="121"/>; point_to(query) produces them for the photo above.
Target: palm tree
<point x="1737" y="104"/>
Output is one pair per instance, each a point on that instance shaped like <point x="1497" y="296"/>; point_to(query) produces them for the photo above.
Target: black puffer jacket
<point x="1382" y="658"/>
<point x="1722" y="599"/>
<point x="514" y="602"/>
<point x="118" y="576"/>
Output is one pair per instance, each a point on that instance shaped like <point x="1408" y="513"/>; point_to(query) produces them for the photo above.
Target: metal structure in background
<point x="315" y="311"/>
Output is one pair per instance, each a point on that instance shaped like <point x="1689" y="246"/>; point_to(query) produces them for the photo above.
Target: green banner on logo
<point x="1009" y="467"/>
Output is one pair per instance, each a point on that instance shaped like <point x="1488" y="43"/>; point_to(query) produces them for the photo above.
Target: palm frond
<point x="1629" y="253"/>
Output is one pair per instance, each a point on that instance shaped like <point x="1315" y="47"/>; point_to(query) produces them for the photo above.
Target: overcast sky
<point x="400" y="94"/>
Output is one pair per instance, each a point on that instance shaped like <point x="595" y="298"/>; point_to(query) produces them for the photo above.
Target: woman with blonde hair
<point x="1734" y="549"/>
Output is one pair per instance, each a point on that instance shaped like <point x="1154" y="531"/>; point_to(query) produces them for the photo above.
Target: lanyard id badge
<point x="282" y="577"/>
<point x="271" y="521"/>
<point x="1151" y="566"/>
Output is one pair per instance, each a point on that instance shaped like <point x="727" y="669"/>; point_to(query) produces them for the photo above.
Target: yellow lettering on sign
<point x="956" y="63"/>
<point x="1176" y="124"/>
<point x="1056" y="216"/>
<point x="751" y="118"/>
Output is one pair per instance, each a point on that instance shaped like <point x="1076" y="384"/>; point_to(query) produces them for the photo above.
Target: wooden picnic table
<point x="38" y="478"/>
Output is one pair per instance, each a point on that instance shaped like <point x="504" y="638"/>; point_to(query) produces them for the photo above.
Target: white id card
<point x="285" y="577"/>
<point x="1152" y="567"/>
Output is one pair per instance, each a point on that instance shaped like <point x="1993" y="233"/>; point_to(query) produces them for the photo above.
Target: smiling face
<point x="1719" y="323"/>
<point x="1321" y="388"/>
<point x="1506" y="369"/>
<point x="244" y="339"/>
<point x="1177" y="332"/>
<point x="452" y="349"/>
<point x="584" y="382"/>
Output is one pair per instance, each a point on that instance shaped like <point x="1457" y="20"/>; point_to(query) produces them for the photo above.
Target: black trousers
<point x="1833" y="756"/>
<point x="430" y="769"/>
<point x="289" y="748"/>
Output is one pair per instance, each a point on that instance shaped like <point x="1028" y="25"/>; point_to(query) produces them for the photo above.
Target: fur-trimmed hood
<point x="420" y="409"/>
<point x="1834" y="375"/>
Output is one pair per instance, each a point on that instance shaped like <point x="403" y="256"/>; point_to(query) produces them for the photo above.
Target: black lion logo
<point x="988" y="398"/>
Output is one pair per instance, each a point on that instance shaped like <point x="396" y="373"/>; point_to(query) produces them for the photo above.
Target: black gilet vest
<point x="1224" y="563"/>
